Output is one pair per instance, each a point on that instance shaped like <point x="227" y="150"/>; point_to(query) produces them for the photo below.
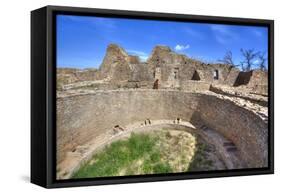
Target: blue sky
<point x="82" y="40"/>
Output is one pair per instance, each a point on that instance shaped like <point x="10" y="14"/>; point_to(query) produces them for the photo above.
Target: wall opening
<point x="216" y="74"/>
<point x="176" y="73"/>
<point x="195" y="76"/>
<point x="243" y="78"/>
<point x="156" y="84"/>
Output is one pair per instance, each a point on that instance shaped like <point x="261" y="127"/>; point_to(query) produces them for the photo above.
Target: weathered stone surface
<point x="252" y="78"/>
<point x="231" y="77"/>
<point x="134" y="59"/>
<point x="84" y="117"/>
<point x="227" y="107"/>
<point x="170" y="68"/>
<point x="139" y="72"/>
<point x="194" y="86"/>
<point x="115" y="65"/>
<point x="244" y="128"/>
<point x="241" y="92"/>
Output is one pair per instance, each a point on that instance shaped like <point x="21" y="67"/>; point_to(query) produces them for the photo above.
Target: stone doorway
<point x="196" y="76"/>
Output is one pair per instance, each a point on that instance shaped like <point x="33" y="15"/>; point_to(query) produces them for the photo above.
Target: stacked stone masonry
<point x="218" y="97"/>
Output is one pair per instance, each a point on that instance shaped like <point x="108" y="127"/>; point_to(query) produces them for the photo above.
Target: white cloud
<point x="256" y="62"/>
<point x="194" y="33"/>
<point x="223" y="33"/>
<point x="142" y="55"/>
<point x="179" y="47"/>
<point x="220" y="28"/>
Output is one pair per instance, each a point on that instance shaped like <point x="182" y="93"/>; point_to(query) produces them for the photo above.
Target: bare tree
<point x="262" y="61"/>
<point x="249" y="56"/>
<point x="228" y="59"/>
<point x="241" y="64"/>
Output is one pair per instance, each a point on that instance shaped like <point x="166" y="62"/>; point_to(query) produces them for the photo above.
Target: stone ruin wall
<point x="259" y="82"/>
<point x="121" y="94"/>
<point x="194" y="86"/>
<point x="255" y="80"/>
<point x="118" y="67"/>
<point x="84" y="117"/>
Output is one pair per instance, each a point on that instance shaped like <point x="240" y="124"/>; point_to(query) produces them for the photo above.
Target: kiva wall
<point x="81" y="118"/>
<point x="84" y="117"/>
<point x="248" y="132"/>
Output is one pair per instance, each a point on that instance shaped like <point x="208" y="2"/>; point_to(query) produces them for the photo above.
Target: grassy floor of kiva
<point x="163" y="151"/>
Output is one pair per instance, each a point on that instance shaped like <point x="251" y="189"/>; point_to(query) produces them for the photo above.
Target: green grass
<point x="122" y="154"/>
<point x="153" y="153"/>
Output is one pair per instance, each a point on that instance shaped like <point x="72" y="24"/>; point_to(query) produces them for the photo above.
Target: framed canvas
<point x="126" y="96"/>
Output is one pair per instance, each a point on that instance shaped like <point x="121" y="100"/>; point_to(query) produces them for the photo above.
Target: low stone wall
<point x="82" y="118"/>
<point x="244" y="93"/>
<point x="260" y="89"/>
<point x="194" y="85"/>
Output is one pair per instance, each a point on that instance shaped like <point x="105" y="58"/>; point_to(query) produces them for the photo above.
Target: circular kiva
<point x="86" y="122"/>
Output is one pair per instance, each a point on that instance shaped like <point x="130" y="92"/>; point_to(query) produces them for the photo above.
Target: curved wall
<point x="84" y="117"/>
<point x="245" y="129"/>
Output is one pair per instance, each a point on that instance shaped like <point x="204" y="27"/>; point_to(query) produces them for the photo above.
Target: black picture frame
<point x="43" y="95"/>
